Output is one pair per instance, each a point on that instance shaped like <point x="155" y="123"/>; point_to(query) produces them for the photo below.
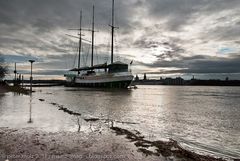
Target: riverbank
<point x="113" y="144"/>
<point x="102" y="135"/>
<point x="7" y="88"/>
<point x="3" y="90"/>
<point x="29" y="144"/>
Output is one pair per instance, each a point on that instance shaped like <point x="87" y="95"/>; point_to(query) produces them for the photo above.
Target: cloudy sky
<point x="162" y="37"/>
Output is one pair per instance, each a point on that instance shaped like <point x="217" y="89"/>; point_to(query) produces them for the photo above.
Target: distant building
<point x="176" y="81"/>
<point x="145" y="76"/>
<point x="193" y="78"/>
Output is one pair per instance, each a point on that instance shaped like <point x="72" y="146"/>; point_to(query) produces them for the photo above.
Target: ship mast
<point x="80" y="41"/>
<point x="80" y="29"/>
<point x="92" y="38"/>
<point x="112" y="26"/>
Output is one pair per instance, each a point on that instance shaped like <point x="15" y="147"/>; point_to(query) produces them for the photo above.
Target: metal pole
<point x="92" y="38"/>
<point x="31" y="61"/>
<point x="112" y="32"/>
<point x="31" y="79"/>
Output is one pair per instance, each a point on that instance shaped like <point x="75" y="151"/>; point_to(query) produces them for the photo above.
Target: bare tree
<point x="3" y="67"/>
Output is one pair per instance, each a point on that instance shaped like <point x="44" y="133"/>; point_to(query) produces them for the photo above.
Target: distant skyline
<point x="162" y="37"/>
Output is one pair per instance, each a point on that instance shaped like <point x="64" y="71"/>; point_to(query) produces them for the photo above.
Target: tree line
<point x="3" y="67"/>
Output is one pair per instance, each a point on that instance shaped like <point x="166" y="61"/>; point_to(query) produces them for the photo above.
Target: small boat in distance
<point x="113" y="75"/>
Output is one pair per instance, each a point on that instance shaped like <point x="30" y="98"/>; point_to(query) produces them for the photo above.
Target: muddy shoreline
<point x="29" y="144"/>
<point x="114" y="143"/>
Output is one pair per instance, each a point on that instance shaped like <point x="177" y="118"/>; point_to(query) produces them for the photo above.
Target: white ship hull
<point x="102" y="80"/>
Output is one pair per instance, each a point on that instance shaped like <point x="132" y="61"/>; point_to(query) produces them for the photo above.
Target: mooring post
<point x="31" y="61"/>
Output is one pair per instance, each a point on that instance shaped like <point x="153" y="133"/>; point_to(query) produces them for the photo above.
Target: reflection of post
<point x="15" y="73"/>
<point x="22" y="81"/>
<point x="30" y="110"/>
<point x="31" y="61"/>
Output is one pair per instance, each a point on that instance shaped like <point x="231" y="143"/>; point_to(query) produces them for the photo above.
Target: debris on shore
<point x="162" y="148"/>
<point x="91" y="119"/>
<point x="60" y="107"/>
<point x="41" y="100"/>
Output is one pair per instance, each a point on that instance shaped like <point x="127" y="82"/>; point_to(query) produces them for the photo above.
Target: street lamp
<point x="15" y="72"/>
<point x="31" y="61"/>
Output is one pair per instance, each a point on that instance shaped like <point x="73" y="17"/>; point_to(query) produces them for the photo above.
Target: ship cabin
<point x="115" y="67"/>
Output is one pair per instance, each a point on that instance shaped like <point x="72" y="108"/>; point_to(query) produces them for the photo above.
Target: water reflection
<point x="192" y="114"/>
<point x="30" y="109"/>
<point x="99" y="103"/>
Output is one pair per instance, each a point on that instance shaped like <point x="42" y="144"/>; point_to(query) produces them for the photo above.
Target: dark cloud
<point x="51" y="72"/>
<point x="36" y="29"/>
<point x="170" y="48"/>
<point x="225" y="33"/>
<point x="19" y="58"/>
<point x="200" y="64"/>
<point x="46" y="15"/>
<point x="32" y="24"/>
<point x="144" y="43"/>
<point x="177" y="13"/>
<point x="174" y="52"/>
<point x="43" y="73"/>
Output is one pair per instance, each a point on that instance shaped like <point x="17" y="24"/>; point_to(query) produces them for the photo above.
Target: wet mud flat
<point x="31" y="145"/>
<point x="112" y="144"/>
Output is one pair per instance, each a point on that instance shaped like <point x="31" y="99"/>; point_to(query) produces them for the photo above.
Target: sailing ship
<point x="113" y="75"/>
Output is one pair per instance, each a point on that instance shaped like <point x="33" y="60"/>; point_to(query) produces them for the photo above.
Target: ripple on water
<point x="205" y="119"/>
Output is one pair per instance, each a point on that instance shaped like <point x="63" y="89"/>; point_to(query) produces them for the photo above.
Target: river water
<point x="203" y="119"/>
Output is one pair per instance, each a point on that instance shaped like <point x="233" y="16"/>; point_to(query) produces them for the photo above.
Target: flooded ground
<point x="203" y="119"/>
